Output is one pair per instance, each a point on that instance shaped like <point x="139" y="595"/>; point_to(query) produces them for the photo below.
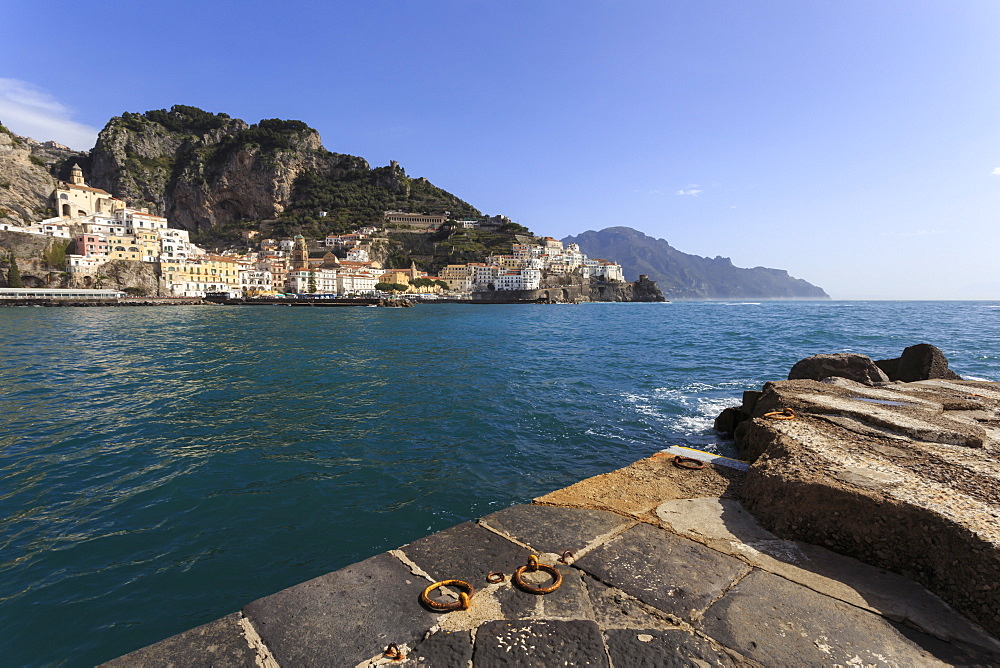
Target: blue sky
<point x="855" y="144"/>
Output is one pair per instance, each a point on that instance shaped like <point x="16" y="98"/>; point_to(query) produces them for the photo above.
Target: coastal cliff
<point x="205" y="171"/>
<point x="684" y="276"/>
<point x="25" y="181"/>
<point x="567" y="290"/>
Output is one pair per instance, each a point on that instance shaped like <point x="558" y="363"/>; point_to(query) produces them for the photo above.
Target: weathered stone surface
<point x="220" y="644"/>
<point x="634" y="491"/>
<point x="539" y="643"/>
<point x="670" y="573"/>
<point x="724" y="525"/>
<point x="614" y="609"/>
<point x="859" y="368"/>
<point x="570" y="601"/>
<point x="554" y="529"/>
<point x="351" y="614"/>
<point x="444" y="649"/>
<point x="466" y="552"/>
<point x="665" y="649"/>
<point x="780" y="623"/>
<point x="888" y="476"/>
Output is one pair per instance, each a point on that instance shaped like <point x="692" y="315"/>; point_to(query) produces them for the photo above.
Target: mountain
<point x="216" y="175"/>
<point x="683" y="276"/>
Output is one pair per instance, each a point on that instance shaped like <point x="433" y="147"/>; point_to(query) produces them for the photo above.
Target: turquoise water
<point x="162" y="467"/>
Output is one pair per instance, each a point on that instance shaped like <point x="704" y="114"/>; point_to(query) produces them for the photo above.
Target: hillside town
<point x="100" y="229"/>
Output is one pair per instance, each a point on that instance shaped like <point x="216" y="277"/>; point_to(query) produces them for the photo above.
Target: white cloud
<point x="996" y="171"/>
<point x="32" y="112"/>
<point x="693" y="190"/>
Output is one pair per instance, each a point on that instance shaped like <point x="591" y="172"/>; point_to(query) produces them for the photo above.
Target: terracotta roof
<point x="93" y="190"/>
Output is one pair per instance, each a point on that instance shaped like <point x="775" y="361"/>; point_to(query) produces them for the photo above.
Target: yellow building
<point x="193" y="278"/>
<point x="124" y="247"/>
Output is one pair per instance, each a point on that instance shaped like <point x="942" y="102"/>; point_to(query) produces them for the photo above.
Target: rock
<point x="920" y="362"/>
<point x="892" y="476"/>
<point x="852" y="366"/>
<point x="728" y="419"/>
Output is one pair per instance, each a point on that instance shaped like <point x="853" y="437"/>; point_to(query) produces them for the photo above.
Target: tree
<point x="312" y="283"/>
<point x="13" y="273"/>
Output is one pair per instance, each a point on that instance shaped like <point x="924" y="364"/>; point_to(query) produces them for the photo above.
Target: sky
<point x="854" y="144"/>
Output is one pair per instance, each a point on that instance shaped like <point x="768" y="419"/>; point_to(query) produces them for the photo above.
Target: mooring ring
<point x="495" y="577"/>
<point x="688" y="463"/>
<point x="783" y="414"/>
<point x="464" y="597"/>
<point x="393" y="653"/>
<point x="532" y="589"/>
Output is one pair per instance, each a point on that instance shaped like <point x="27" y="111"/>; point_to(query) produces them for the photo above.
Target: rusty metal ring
<point x="495" y="577"/>
<point x="688" y="463"/>
<point x="532" y="589"/>
<point x="462" y="603"/>
<point x="393" y="653"/>
<point x="568" y="554"/>
<point x="783" y="414"/>
<point x="532" y="563"/>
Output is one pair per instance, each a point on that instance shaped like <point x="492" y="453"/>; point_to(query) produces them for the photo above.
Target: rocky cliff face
<point x="205" y="170"/>
<point x="25" y="183"/>
<point x="684" y="276"/>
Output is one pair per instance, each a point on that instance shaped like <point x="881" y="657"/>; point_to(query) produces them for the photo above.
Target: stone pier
<point x="661" y="566"/>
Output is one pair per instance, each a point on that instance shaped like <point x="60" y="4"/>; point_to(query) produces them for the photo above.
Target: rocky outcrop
<point x="205" y="170"/>
<point x="25" y="183"/>
<point x="564" y="290"/>
<point x="40" y="259"/>
<point x="905" y="477"/>
<point x="920" y="362"/>
<point x="859" y="368"/>
<point x="684" y="276"/>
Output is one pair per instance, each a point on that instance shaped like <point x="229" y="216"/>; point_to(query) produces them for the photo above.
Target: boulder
<point x="859" y="368"/>
<point x="920" y="362"/>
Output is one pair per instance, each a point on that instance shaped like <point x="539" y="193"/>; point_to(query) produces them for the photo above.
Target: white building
<point x="255" y="281"/>
<point x="355" y="284"/>
<point x="312" y="281"/>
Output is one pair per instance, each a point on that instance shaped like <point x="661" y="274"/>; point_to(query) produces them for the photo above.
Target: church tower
<point x="300" y="254"/>
<point x="76" y="175"/>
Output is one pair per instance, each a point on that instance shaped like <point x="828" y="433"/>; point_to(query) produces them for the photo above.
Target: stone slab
<point x="724" y="525"/>
<point x="614" y="609"/>
<point x="570" y="601"/>
<point x="220" y="643"/>
<point x="637" y="489"/>
<point x="466" y="552"/>
<point x="444" y="649"/>
<point x="780" y="623"/>
<point x="555" y="529"/>
<point x="530" y="644"/>
<point x="350" y="615"/>
<point x="670" y="573"/>
<point x="665" y="649"/>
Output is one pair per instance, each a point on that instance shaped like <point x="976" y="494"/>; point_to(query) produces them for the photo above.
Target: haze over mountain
<point x="683" y="276"/>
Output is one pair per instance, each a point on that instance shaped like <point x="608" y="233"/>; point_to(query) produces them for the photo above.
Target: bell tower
<point x="76" y="175"/>
<point x="300" y="254"/>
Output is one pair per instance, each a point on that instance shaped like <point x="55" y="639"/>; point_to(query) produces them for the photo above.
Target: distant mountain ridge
<point x="684" y="276"/>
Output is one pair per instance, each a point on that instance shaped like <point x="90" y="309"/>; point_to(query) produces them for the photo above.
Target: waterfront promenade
<point x="663" y="566"/>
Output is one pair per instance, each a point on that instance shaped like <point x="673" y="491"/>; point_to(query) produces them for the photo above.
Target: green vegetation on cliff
<point x="215" y="174"/>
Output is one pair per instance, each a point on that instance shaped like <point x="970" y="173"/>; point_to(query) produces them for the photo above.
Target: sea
<point x="161" y="467"/>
